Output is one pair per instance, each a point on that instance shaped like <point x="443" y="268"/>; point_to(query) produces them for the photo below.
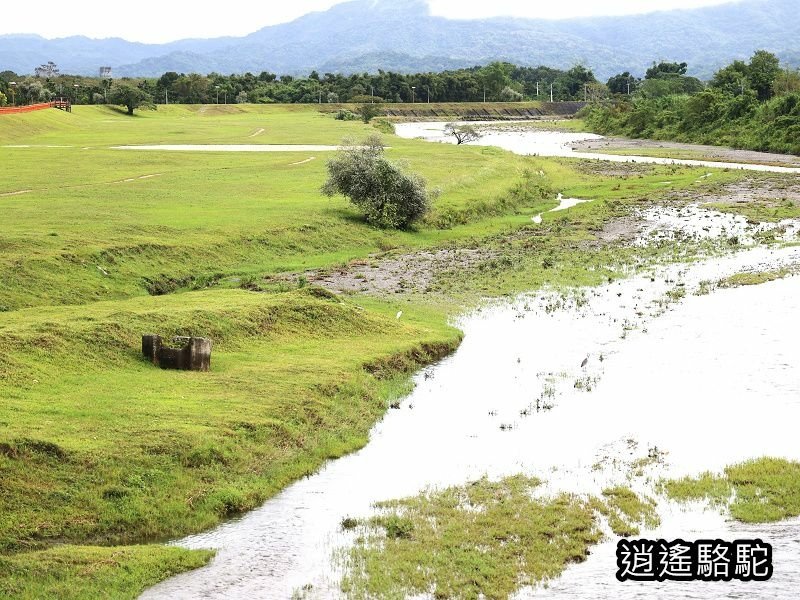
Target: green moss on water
<point x="753" y="278"/>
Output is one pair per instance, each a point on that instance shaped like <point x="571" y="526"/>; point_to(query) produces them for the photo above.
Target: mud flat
<point x="715" y="153"/>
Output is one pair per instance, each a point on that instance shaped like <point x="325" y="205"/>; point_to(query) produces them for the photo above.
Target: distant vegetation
<point x="498" y="81"/>
<point x="753" y="105"/>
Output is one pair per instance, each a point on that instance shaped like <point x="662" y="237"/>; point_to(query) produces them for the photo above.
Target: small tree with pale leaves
<point x="462" y="133"/>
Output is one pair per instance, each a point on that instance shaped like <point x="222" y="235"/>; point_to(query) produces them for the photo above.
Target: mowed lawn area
<point x="100" y="223"/>
<point x="101" y="451"/>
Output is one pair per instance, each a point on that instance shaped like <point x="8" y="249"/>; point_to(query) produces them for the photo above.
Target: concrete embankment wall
<point x="471" y="111"/>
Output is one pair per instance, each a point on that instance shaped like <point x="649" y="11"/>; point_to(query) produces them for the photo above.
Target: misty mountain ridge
<point x="367" y="35"/>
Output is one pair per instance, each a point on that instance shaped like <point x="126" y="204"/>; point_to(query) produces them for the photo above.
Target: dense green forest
<point x="753" y="105"/>
<point x="497" y="81"/>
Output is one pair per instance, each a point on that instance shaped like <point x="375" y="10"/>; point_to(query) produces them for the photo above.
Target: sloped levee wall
<point x="488" y="113"/>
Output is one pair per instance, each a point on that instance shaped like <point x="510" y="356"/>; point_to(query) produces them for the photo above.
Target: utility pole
<point x="216" y="86"/>
<point x="484" y="94"/>
<point x="629" y="86"/>
<point x="537" y="89"/>
<point x="585" y="92"/>
<point x="429" y="93"/>
<point x="166" y="96"/>
<point x="413" y="96"/>
<point x="551" y="92"/>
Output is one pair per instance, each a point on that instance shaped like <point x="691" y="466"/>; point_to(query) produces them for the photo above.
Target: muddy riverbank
<point x="715" y="153"/>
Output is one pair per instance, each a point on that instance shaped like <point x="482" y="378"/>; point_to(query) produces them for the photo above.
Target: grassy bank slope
<point x="98" y="446"/>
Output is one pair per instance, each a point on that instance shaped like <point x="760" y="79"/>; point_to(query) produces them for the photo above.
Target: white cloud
<point x="167" y="20"/>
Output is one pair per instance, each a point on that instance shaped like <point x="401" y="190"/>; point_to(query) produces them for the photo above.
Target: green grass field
<point x="99" y="450"/>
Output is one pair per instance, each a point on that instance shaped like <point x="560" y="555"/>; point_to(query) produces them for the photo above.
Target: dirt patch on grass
<point x="769" y="190"/>
<point x="217" y="109"/>
<point x="622" y="229"/>
<point x="404" y="273"/>
<point x="603" y="168"/>
<point x="418" y="272"/>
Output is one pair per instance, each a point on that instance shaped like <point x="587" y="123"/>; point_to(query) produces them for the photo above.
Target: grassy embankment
<point x="98" y="447"/>
<point x="709" y="117"/>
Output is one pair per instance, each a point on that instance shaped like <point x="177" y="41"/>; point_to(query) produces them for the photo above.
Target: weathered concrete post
<point x="151" y="347"/>
<point x="199" y="354"/>
<point x="185" y="353"/>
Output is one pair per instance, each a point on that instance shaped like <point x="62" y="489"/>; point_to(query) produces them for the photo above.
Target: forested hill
<point x="401" y="35"/>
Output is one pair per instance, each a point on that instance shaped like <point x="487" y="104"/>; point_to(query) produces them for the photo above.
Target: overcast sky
<point x="167" y="20"/>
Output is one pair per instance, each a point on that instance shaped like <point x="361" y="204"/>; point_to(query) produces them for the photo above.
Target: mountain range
<point x="402" y="35"/>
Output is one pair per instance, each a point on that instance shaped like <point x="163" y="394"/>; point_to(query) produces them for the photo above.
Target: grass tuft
<point x="756" y="491"/>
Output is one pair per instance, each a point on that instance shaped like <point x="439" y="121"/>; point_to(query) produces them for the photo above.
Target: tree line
<point x="498" y="81"/>
<point x="753" y="105"/>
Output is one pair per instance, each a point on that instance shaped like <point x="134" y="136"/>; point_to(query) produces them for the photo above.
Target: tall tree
<point x="623" y="83"/>
<point x="666" y="69"/>
<point x="130" y="97"/>
<point x="763" y="70"/>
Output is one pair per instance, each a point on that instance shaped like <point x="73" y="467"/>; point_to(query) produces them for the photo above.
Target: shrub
<point x="388" y="196"/>
<point x="345" y="115"/>
<point x="365" y="98"/>
<point x="369" y="111"/>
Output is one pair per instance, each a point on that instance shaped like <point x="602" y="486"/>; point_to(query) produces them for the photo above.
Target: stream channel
<point x="697" y="380"/>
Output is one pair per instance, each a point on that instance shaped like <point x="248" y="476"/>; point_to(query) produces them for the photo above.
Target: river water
<point x="559" y="143"/>
<point x="701" y="381"/>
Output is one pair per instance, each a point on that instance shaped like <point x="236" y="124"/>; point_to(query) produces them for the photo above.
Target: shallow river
<point x="559" y="143"/>
<point x="701" y="382"/>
